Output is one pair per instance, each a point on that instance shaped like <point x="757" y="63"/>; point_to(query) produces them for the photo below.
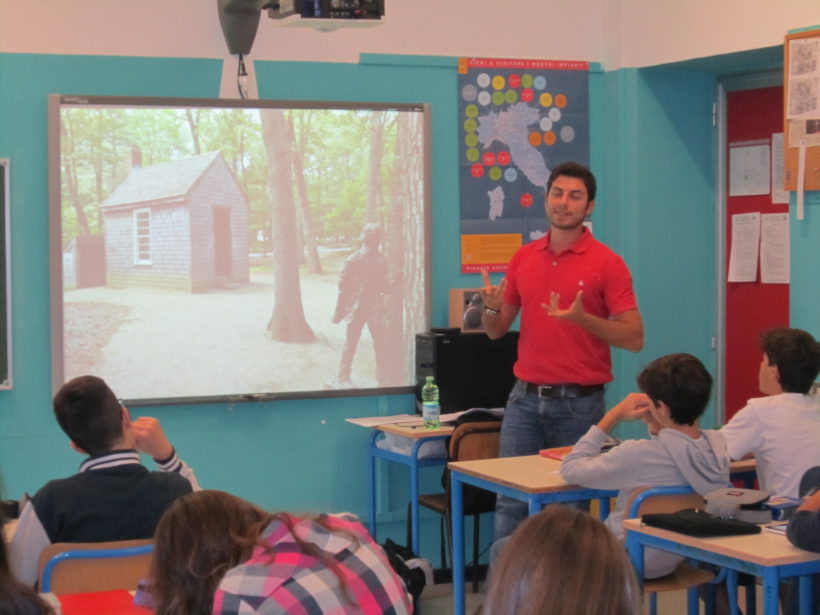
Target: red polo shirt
<point x="553" y="351"/>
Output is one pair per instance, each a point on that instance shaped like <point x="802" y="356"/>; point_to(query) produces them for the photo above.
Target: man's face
<point x="567" y="203"/>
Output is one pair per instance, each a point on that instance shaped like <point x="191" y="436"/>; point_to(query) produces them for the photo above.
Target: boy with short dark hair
<point x="113" y="497"/>
<point x="676" y="389"/>
<point x="783" y="429"/>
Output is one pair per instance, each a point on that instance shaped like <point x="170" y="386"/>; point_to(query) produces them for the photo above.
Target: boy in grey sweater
<point x="675" y="391"/>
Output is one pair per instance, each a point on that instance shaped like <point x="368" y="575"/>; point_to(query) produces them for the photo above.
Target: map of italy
<point x="511" y="128"/>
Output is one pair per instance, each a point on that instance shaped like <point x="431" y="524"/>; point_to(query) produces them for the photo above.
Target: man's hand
<point x="150" y="439"/>
<point x="573" y="313"/>
<point x="492" y="296"/>
<point x="632" y="407"/>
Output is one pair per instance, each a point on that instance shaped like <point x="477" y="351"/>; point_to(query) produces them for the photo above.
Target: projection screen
<point x="241" y="250"/>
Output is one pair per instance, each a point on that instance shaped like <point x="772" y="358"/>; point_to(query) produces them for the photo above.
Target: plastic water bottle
<point x="431" y="411"/>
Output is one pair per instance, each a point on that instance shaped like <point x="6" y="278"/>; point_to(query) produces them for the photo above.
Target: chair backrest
<point x="77" y="567"/>
<point x="472" y="441"/>
<point x="649" y="500"/>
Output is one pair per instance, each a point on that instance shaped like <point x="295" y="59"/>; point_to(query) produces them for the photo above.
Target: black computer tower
<point x="470" y="369"/>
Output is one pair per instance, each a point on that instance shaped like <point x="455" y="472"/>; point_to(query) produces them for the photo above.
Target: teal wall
<point x="652" y="148"/>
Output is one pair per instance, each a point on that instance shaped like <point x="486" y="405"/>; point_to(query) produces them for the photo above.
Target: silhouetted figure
<point x="362" y="286"/>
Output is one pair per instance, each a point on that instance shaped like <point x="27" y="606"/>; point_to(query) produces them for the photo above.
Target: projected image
<point x="213" y="251"/>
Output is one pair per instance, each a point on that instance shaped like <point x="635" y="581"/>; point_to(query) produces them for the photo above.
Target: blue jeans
<point x="532" y="423"/>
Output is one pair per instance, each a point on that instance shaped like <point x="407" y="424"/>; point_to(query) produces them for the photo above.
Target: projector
<point x="326" y="9"/>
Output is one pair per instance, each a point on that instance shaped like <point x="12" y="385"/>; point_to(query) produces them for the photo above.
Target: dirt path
<point x="158" y="344"/>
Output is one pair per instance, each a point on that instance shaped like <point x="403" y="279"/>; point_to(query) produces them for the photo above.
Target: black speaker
<point x="470" y="369"/>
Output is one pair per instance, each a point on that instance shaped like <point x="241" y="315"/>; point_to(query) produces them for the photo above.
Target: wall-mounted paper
<point x="749" y="169"/>
<point x="745" y="242"/>
<point x="774" y="248"/>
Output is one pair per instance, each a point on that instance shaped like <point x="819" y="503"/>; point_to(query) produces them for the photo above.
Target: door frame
<point x="732" y="83"/>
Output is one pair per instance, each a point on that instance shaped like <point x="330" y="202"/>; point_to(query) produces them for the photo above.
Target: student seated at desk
<point x="562" y="561"/>
<point x="113" y="496"/>
<point x="676" y="389"/>
<point x="783" y="429"/>
<point x="16" y="598"/>
<point x="804" y="526"/>
<point x="217" y="553"/>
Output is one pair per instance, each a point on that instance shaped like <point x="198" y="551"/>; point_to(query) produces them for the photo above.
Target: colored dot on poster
<point x="526" y="80"/>
<point x="483" y="80"/>
<point x="526" y="200"/>
<point x="488" y="159"/>
<point x="469" y="92"/>
<point x="567" y="134"/>
<point x="504" y="158"/>
<point x="470" y="125"/>
<point x="477" y="170"/>
<point x="472" y="154"/>
<point x="540" y="82"/>
<point x="535" y="139"/>
<point x="514" y="80"/>
<point x="554" y="114"/>
<point x="471" y="111"/>
<point x="484" y="98"/>
<point x="510" y="174"/>
<point x="545" y="100"/>
<point x="471" y="140"/>
<point x="511" y="96"/>
<point x="545" y="123"/>
<point x="560" y="100"/>
<point x="499" y="82"/>
<point x="527" y="95"/>
<point x="495" y="173"/>
<point x="498" y="98"/>
<point x="549" y="138"/>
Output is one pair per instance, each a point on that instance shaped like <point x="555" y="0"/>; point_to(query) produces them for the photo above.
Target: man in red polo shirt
<point x="576" y="300"/>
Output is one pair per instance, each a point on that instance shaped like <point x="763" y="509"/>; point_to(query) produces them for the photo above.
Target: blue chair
<point x="648" y="500"/>
<point x="71" y="568"/>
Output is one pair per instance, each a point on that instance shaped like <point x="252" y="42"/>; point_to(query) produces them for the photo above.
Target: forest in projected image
<point x="221" y="249"/>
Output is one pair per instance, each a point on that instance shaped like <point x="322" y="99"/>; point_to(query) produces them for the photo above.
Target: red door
<point x="751" y="307"/>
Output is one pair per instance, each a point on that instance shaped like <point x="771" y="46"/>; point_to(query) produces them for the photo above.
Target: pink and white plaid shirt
<point x="283" y="579"/>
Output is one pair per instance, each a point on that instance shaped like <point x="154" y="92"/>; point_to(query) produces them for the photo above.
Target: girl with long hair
<point x="217" y="553"/>
<point x="563" y="561"/>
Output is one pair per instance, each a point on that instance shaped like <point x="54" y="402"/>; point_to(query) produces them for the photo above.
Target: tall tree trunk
<point x="71" y="175"/>
<point x="287" y="322"/>
<point x="306" y="216"/>
<point x="371" y="213"/>
<point x="193" y="125"/>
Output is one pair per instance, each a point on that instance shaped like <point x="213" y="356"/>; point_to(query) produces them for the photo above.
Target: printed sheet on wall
<point x="519" y="119"/>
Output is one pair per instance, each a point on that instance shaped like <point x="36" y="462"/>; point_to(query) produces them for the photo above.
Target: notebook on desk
<point x="560" y="452"/>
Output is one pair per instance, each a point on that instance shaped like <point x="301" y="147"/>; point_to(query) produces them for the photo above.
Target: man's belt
<point x="563" y="391"/>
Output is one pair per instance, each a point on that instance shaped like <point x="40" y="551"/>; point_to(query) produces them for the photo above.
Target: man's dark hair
<point x="89" y="413"/>
<point x="797" y="357"/>
<point x="573" y="169"/>
<point x="681" y="382"/>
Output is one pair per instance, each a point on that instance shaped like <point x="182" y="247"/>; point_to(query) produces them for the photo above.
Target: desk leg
<point x="732" y="588"/>
<point x="414" y="502"/>
<point x="534" y="506"/>
<point x="457" y="520"/>
<point x="371" y="490"/>
<point x="805" y="595"/>
<point x="603" y="508"/>
<point x="771" y="591"/>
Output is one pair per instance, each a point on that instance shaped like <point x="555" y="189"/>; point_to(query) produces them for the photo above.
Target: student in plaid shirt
<point x="217" y="553"/>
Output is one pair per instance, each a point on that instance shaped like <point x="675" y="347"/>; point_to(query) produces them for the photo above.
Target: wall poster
<point x="519" y="118"/>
